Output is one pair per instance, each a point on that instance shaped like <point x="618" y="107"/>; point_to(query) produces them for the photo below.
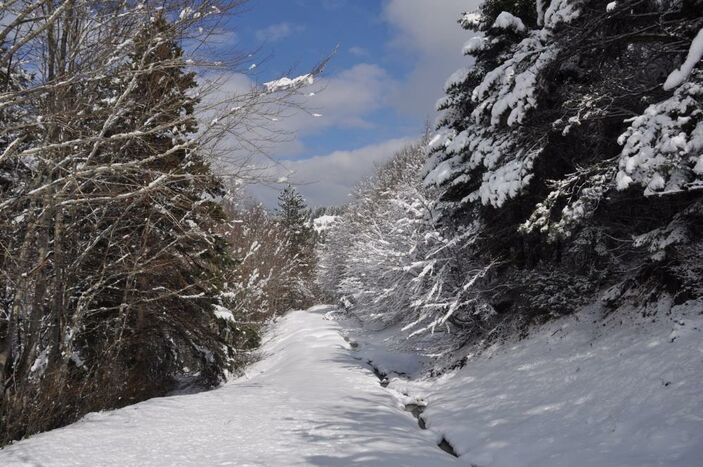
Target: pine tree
<point x="564" y="139"/>
<point x="295" y="219"/>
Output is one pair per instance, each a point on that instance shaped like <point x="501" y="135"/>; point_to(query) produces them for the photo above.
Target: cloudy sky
<point x="376" y="94"/>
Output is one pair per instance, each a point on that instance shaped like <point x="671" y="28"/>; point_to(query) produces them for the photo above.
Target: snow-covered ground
<point x="586" y="390"/>
<point x="307" y="402"/>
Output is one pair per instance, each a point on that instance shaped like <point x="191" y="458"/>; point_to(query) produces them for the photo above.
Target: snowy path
<point x="308" y="402"/>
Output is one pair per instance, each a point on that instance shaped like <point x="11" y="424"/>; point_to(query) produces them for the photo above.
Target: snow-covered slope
<point x="307" y="402"/>
<point x="586" y="390"/>
<point x="624" y="390"/>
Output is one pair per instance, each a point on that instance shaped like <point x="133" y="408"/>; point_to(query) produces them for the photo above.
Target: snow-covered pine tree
<point x="564" y="140"/>
<point x="294" y="217"/>
<point x="165" y="260"/>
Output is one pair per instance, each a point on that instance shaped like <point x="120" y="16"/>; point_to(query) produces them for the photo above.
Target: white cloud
<point x="427" y="35"/>
<point x="358" y="51"/>
<point x="340" y="101"/>
<point x="344" y="99"/>
<point x="428" y="32"/>
<point x="279" y="31"/>
<point x="327" y="180"/>
<point x="222" y="38"/>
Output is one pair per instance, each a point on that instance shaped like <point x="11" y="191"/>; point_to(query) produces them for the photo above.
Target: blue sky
<point x="377" y="91"/>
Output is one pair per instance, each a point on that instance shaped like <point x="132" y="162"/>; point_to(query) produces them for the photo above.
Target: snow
<point x="595" y="388"/>
<point x="324" y="223"/>
<point x="581" y="391"/>
<point x="456" y="78"/>
<point x="509" y="22"/>
<point x="695" y="54"/>
<point x="540" y="4"/>
<point x="439" y="139"/>
<point x="473" y="45"/>
<point x="512" y="86"/>
<point x="471" y="20"/>
<point x="560" y="11"/>
<point x="507" y="169"/>
<point x="223" y="313"/>
<point x="39" y="365"/>
<point x="186" y="13"/>
<point x="309" y="401"/>
<point x="662" y="147"/>
<point x="288" y="84"/>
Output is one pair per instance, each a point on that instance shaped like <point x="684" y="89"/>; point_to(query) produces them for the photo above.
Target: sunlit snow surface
<point x="587" y="390"/>
<point x="308" y="402"/>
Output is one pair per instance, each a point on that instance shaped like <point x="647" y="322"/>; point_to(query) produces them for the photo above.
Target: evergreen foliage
<point x="566" y="166"/>
<point x="544" y="141"/>
<point x="295" y="220"/>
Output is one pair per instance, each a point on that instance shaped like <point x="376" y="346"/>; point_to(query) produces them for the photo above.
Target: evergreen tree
<point x="564" y="139"/>
<point x="295" y="219"/>
<point x="118" y="262"/>
<point x="177" y="265"/>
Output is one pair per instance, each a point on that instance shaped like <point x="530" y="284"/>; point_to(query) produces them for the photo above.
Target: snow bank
<point x="585" y="390"/>
<point x="579" y="392"/>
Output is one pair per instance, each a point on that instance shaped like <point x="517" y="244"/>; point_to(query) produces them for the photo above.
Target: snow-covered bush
<point x="367" y="257"/>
